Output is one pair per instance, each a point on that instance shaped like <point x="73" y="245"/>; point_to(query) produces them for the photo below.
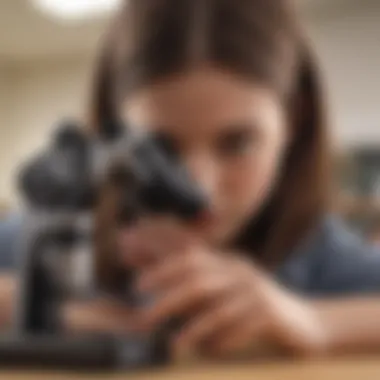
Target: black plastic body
<point x="80" y="353"/>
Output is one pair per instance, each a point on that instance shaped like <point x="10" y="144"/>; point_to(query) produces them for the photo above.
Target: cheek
<point x="249" y="182"/>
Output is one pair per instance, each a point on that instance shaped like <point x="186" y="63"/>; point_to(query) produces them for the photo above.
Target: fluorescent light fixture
<point x="76" y="9"/>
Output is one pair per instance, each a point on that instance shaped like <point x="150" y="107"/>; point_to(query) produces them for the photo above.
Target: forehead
<point x="198" y="100"/>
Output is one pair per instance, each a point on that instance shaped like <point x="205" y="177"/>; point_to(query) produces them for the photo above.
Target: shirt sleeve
<point x="344" y="263"/>
<point x="332" y="261"/>
<point x="9" y="236"/>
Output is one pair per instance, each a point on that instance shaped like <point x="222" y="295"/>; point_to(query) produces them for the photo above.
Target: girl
<point x="233" y="87"/>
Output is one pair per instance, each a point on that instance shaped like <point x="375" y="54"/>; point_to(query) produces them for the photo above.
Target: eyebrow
<point x="239" y="127"/>
<point x="234" y="135"/>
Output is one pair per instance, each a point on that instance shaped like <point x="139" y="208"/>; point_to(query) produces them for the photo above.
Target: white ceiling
<point x="26" y="34"/>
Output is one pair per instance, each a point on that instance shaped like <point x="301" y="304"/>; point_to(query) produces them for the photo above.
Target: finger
<point x="243" y="338"/>
<point x="139" y="250"/>
<point x="171" y="271"/>
<point x="170" y="231"/>
<point x="191" y="294"/>
<point x="215" y="321"/>
<point x="163" y="275"/>
<point x="99" y="316"/>
<point x="8" y="290"/>
<point x="151" y="240"/>
<point x="143" y="245"/>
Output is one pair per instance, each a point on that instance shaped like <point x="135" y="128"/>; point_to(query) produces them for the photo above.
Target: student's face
<point x="230" y="135"/>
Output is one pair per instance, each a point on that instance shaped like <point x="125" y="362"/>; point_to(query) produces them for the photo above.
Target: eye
<point x="237" y="141"/>
<point x="166" y="144"/>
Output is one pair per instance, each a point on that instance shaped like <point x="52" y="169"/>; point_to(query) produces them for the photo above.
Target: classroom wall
<point x="2" y="95"/>
<point x="5" y="94"/>
<point x="349" y="48"/>
<point x="34" y="97"/>
<point x="40" y="96"/>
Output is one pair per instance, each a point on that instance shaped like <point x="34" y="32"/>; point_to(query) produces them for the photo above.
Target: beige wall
<point x="348" y="44"/>
<point x="5" y="95"/>
<point x="5" y="88"/>
<point x="39" y="96"/>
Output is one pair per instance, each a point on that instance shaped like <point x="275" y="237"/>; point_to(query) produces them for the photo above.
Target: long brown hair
<point x="260" y="40"/>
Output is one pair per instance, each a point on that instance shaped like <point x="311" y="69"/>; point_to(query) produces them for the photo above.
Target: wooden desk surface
<point x="347" y="369"/>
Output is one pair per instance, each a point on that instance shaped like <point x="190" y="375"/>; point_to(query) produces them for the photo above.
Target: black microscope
<point x="61" y="189"/>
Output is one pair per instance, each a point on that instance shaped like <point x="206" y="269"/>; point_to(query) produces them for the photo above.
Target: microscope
<point x="61" y="189"/>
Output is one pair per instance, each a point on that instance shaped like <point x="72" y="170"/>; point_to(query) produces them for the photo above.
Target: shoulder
<point x="333" y="259"/>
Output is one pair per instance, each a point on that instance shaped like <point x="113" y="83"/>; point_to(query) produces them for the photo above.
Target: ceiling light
<point x="76" y="9"/>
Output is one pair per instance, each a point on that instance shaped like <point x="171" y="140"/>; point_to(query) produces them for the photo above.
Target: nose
<point x="203" y="170"/>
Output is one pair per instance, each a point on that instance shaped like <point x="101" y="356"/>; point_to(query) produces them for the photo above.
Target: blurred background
<point x="47" y="49"/>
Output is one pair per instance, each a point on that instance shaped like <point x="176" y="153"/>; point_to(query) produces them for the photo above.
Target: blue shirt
<point x="330" y="261"/>
<point x="333" y="261"/>
<point x="10" y="229"/>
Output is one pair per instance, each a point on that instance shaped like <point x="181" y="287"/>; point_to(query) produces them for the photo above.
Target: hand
<point x="99" y="316"/>
<point x="8" y="287"/>
<point x="95" y="316"/>
<point x="229" y="304"/>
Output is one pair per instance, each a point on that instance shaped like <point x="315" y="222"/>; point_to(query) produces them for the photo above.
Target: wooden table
<point x="347" y="369"/>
